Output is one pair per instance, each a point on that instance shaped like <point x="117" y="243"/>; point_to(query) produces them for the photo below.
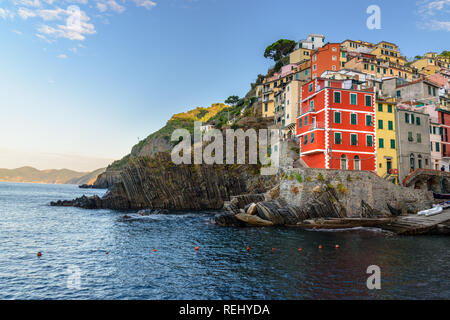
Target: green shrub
<point x="298" y="178"/>
<point x="320" y="177"/>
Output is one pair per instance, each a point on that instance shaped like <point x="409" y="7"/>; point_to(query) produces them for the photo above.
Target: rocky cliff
<point x="156" y="183"/>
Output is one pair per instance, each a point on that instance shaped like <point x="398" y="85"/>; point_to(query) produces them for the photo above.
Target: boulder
<point x="252" y="210"/>
<point x="253" y="221"/>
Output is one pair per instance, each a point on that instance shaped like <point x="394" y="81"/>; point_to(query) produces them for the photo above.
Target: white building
<point x="313" y="41"/>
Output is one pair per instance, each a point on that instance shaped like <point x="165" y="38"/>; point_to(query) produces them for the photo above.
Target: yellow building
<point x="300" y="55"/>
<point x="388" y="51"/>
<point x="355" y="45"/>
<point x="386" y="139"/>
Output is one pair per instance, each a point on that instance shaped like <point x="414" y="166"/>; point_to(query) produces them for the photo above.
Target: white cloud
<point x="102" y="7"/>
<point x="25" y="13"/>
<point x="147" y="4"/>
<point x="17" y="32"/>
<point x="115" y="6"/>
<point x="5" y="14"/>
<point x="434" y="15"/>
<point x="62" y="56"/>
<point x="28" y="3"/>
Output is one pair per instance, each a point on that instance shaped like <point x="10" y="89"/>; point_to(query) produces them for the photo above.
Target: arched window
<point x="344" y="162"/>
<point x="357" y="163"/>
<point x="412" y="162"/>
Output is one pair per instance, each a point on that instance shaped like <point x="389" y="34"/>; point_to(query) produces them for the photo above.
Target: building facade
<point x="326" y="58"/>
<point x="336" y="126"/>
<point x="387" y="139"/>
<point x="413" y="140"/>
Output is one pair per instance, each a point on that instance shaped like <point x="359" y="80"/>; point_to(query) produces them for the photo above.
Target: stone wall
<point x="355" y="189"/>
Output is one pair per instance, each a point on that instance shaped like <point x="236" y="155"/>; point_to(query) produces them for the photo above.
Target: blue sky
<point x="90" y="91"/>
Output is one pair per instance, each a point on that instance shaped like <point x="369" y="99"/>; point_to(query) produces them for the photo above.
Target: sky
<point x="81" y="81"/>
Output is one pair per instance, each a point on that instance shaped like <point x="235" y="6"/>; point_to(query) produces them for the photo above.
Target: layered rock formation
<point x="156" y="183"/>
<point x="310" y="194"/>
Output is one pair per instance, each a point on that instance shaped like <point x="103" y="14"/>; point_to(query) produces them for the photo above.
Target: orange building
<point x="326" y="58"/>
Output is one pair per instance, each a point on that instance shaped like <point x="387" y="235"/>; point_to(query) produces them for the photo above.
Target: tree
<point x="445" y="53"/>
<point x="232" y="100"/>
<point x="418" y="57"/>
<point x="279" y="50"/>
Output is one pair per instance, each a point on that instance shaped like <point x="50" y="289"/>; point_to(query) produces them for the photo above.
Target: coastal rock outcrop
<point x="316" y="195"/>
<point x="157" y="183"/>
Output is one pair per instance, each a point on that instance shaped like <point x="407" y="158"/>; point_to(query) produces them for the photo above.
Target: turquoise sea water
<point x="72" y="239"/>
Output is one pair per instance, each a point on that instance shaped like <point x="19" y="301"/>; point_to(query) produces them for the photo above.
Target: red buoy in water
<point x="154" y="250"/>
<point x="299" y="249"/>
<point x="248" y="248"/>
<point x="320" y="246"/>
<point x="274" y="249"/>
<point x="337" y="246"/>
<point x="39" y="254"/>
<point x="197" y="248"/>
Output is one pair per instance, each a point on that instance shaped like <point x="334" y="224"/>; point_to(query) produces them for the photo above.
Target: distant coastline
<point x="63" y="176"/>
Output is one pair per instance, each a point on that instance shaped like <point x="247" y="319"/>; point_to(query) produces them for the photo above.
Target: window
<point x="357" y="163"/>
<point x="334" y="58"/>
<point x="337" y="138"/>
<point x="389" y="108"/>
<point x="353" y="99"/>
<point x="419" y="138"/>
<point x="337" y="117"/>
<point x="266" y="107"/>
<point x="306" y="121"/>
<point x="369" y="141"/>
<point x="412" y="162"/>
<point x="418" y="121"/>
<point x="369" y="120"/>
<point x="420" y="161"/>
<point x="300" y="123"/>
<point x="354" y="119"/>
<point x="434" y="92"/>
<point x="380" y="107"/>
<point x="337" y="97"/>
<point x="429" y="90"/>
<point x="305" y="142"/>
<point x="312" y="105"/>
<point x="312" y="137"/>
<point x="407" y="117"/>
<point x="333" y="68"/>
<point x="392" y="144"/>
<point x="381" y="143"/>
<point x="315" y="67"/>
<point x="399" y="94"/>
<point x="412" y="119"/>
<point x="310" y="88"/>
<point x="438" y="147"/>
<point x="354" y="139"/>
<point x="368" y="101"/>
<point x="344" y="162"/>
<point x="380" y="124"/>
<point x="410" y="137"/>
<point x="391" y="125"/>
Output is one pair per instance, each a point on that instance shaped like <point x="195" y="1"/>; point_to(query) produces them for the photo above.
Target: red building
<point x="336" y="126"/>
<point x="325" y="59"/>
<point x="444" y="118"/>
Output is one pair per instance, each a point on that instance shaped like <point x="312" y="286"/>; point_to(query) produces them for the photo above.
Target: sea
<point x="106" y="254"/>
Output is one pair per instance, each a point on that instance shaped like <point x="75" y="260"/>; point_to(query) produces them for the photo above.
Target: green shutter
<point x="380" y="107"/>
<point x="354" y="119"/>
<point x="337" y="117"/>
<point x="369" y="120"/>
<point x="380" y="124"/>
<point x="368" y="101"/>
<point x="391" y="125"/>
<point x="392" y="144"/>
<point x="389" y="108"/>
<point x="337" y="138"/>
<point x="369" y="141"/>
<point x="381" y="143"/>
<point x="353" y="99"/>
<point x="418" y="121"/>
<point x="354" y="139"/>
